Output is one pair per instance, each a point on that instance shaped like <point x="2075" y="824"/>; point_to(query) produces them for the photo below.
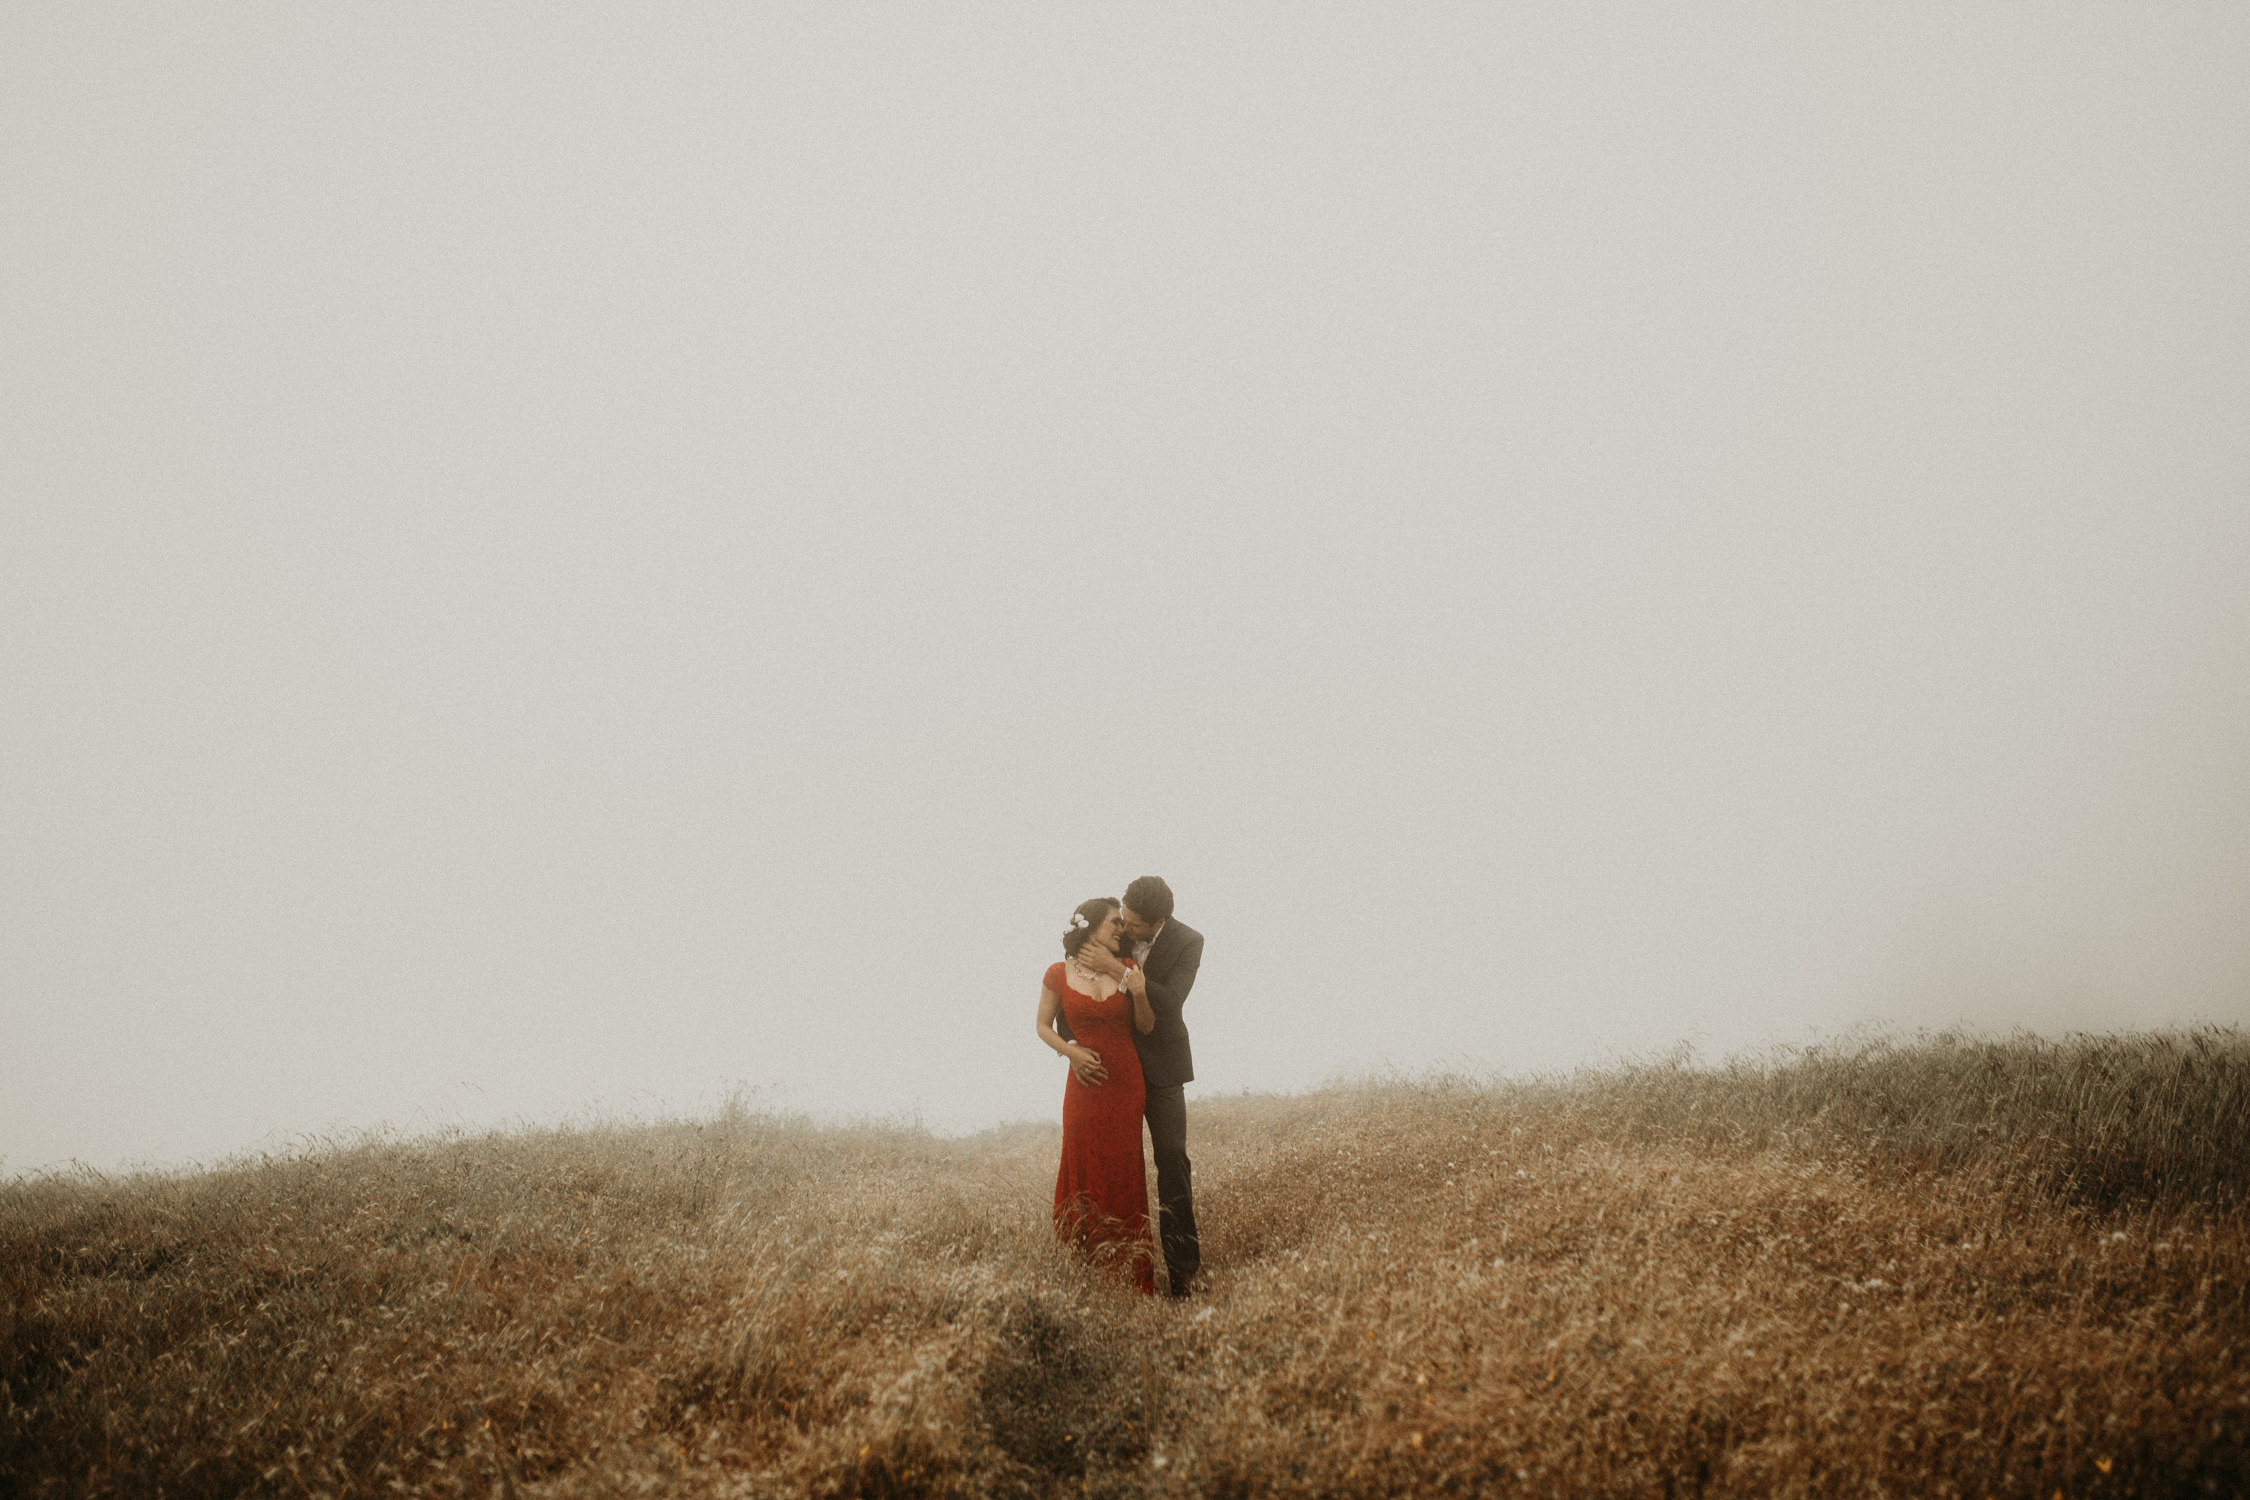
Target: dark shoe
<point x="1182" y="1287"/>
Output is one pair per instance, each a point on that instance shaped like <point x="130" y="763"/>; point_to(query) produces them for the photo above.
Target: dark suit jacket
<point x="1170" y="964"/>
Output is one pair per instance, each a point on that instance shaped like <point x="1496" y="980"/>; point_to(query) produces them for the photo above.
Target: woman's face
<point x="1106" y="933"/>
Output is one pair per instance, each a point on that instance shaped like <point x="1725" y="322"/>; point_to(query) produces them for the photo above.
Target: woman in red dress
<point x="1101" y="1190"/>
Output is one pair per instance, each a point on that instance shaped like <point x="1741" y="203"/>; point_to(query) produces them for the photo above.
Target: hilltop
<point x="1947" y="1267"/>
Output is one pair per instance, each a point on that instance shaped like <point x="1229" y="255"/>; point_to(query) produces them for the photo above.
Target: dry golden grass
<point x="1941" y="1268"/>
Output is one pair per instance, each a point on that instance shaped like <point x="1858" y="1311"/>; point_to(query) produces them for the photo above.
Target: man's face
<point x="1137" y="927"/>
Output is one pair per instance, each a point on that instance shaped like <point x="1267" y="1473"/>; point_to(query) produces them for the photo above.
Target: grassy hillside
<point x="1943" y="1268"/>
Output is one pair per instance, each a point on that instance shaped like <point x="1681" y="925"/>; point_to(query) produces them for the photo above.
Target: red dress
<point x="1101" y="1189"/>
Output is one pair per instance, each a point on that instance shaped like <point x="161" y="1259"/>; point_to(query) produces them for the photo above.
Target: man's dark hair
<point x="1151" y="898"/>
<point x="1090" y="915"/>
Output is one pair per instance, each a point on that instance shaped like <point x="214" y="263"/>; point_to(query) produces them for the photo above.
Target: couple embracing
<point x="1112" y="1007"/>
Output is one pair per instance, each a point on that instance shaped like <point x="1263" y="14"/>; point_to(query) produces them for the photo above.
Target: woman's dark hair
<point x="1150" y="898"/>
<point x="1095" y="912"/>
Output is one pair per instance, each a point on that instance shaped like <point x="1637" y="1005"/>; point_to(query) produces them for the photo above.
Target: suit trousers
<point x="1166" y="1113"/>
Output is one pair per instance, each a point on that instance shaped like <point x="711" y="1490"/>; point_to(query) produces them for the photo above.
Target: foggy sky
<point x="562" y="558"/>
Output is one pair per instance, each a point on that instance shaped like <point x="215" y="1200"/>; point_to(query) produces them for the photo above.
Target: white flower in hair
<point x="1078" y="920"/>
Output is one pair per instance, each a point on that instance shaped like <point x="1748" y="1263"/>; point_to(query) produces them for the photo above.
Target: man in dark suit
<point x="1170" y="951"/>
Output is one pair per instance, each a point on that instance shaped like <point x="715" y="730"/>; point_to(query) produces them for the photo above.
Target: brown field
<point x="1949" y="1267"/>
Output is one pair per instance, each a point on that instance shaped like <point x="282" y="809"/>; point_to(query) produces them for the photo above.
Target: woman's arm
<point x="1136" y="985"/>
<point x="1171" y="993"/>
<point x="1084" y="1061"/>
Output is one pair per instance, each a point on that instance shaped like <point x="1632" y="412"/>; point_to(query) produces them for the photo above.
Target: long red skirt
<point x="1101" y="1188"/>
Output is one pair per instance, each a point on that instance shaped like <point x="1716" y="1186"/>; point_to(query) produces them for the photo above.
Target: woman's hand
<point x="1087" y="1064"/>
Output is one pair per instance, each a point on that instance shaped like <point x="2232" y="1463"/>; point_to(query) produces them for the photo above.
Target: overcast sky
<point x="564" y="558"/>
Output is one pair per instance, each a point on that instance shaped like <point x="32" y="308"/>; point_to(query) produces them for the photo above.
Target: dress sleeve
<point x="1055" y="981"/>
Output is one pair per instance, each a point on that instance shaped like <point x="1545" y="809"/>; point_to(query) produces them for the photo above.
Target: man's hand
<point x="1087" y="1064"/>
<point x="1100" y="960"/>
